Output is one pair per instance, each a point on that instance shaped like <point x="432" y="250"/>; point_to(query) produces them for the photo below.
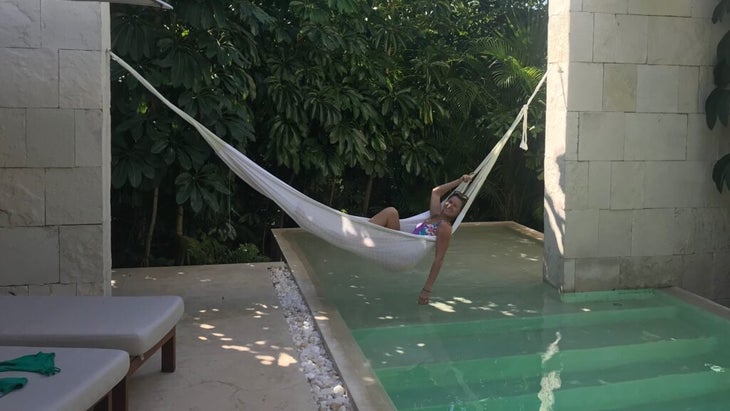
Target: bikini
<point x="426" y="228"/>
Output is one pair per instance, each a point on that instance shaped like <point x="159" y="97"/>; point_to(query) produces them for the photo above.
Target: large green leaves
<point x="721" y="173"/>
<point x="717" y="104"/>
<point x="201" y="188"/>
<point x="720" y="10"/>
<point x="200" y="56"/>
<point x="131" y="162"/>
<point x="321" y="91"/>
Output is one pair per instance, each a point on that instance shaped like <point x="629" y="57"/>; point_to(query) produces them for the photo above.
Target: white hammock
<point x="397" y="250"/>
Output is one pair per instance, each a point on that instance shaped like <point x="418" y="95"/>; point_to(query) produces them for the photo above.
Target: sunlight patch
<point x="443" y="307"/>
<point x="285" y="360"/>
<point x="236" y="348"/>
<point x="265" y="359"/>
<point x="715" y="368"/>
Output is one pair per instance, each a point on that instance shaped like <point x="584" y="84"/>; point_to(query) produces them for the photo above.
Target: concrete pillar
<point x="54" y="148"/>
<point x="629" y="200"/>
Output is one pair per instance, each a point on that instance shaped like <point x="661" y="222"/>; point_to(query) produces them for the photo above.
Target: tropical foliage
<point x="357" y="103"/>
<point x="717" y="105"/>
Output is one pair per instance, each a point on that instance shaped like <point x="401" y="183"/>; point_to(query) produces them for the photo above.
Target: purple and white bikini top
<point x="425" y="228"/>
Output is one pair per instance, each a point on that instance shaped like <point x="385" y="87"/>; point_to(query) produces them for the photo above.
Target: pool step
<point x="507" y="324"/>
<point x="408" y="351"/>
<point x="531" y="384"/>
<point x="612" y="396"/>
<point x="483" y="370"/>
<point x="717" y="401"/>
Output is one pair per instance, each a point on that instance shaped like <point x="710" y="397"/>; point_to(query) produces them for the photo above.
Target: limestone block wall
<point x="629" y="198"/>
<point x="55" y="154"/>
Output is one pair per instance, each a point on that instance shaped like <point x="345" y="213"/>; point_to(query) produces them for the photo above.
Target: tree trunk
<point x="179" y="231"/>
<point x="179" y="221"/>
<point x="151" y="230"/>
<point x="366" y="198"/>
<point x="332" y="192"/>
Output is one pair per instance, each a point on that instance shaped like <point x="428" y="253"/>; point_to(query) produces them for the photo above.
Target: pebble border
<point x="316" y="362"/>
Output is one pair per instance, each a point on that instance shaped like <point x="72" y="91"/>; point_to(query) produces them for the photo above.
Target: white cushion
<point x="131" y="324"/>
<point x="87" y="374"/>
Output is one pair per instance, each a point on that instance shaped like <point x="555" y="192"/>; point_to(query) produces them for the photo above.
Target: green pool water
<point x="495" y="337"/>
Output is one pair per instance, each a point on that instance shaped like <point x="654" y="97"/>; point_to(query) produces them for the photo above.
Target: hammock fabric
<point x="398" y="250"/>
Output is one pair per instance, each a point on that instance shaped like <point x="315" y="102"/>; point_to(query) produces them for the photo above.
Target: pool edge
<point x="360" y="381"/>
<point x="697" y="301"/>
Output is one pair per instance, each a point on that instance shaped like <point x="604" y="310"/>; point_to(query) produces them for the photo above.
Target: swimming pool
<point x="495" y="337"/>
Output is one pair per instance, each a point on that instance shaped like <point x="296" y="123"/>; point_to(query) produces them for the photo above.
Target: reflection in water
<point x="551" y="380"/>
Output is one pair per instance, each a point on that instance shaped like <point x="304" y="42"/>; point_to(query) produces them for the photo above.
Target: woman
<point x="438" y="225"/>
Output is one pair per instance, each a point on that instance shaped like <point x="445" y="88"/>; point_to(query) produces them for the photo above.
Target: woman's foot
<point x="425" y="297"/>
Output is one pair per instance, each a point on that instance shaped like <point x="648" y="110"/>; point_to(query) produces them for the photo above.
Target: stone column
<point x="629" y="201"/>
<point x="54" y="147"/>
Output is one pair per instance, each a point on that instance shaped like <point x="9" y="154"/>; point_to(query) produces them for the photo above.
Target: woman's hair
<point x="461" y="196"/>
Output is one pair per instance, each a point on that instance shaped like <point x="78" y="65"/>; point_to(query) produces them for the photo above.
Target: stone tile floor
<point x="234" y="348"/>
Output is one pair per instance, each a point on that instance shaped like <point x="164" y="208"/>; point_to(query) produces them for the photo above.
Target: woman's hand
<point x="424" y="297"/>
<point x="466" y="178"/>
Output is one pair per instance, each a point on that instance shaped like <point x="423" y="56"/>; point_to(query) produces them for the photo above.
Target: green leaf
<point x="119" y="175"/>
<point x="210" y="200"/>
<point x="711" y="107"/>
<point x="723" y="106"/>
<point x="721" y="173"/>
<point x="183" y="194"/>
<point x="158" y="146"/>
<point x="196" y="200"/>
<point x="720" y="10"/>
<point x="723" y="47"/>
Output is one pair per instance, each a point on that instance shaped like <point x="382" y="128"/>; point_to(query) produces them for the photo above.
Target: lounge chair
<point x="87" y="378"/>
<point x="138" y="325"/>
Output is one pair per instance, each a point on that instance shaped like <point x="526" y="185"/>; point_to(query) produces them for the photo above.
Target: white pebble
<point x="326" y="384"/>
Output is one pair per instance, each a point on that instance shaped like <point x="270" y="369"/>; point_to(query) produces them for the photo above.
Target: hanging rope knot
<point x="523" y="143"/>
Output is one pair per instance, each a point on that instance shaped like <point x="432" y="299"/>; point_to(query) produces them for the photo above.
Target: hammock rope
<point x="398" y="250"/>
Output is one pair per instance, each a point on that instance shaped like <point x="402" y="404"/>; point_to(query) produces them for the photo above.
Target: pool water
<point x="495" y="337"/>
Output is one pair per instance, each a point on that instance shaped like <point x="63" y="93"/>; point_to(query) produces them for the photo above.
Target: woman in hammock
<point x="437" y="225"/>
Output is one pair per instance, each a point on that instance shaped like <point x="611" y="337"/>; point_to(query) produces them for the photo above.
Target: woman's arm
<point x="439" y="191"/>
<point x="443" y="238"/>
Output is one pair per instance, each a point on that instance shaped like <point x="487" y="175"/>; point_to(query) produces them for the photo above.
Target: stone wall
<point x="55" y="155"/>
<point x="629" y="200"/>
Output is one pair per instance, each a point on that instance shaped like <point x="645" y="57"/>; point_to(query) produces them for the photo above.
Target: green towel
<point x="11" y="384"/>
<point x="41" y="363"/>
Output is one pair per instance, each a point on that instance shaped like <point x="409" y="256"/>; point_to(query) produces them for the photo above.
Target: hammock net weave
<point x="397" y="250"/>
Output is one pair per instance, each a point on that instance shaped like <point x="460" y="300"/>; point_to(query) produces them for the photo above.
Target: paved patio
<point x="234" y="350"/>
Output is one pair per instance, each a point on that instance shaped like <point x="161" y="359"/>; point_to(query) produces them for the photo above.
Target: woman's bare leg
<point x="388" y="217"/>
